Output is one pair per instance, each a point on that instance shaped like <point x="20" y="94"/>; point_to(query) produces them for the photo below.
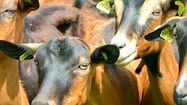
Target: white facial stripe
<point x="52" y="102"/>
<point x="181" y="86"/>
<point x="128" y="49"/>
<point x="120" y="39"/>
<point x="127" y="60"/>
<point x="120" y="36"/>
<point x="127" y="53"/>
<point x="119" y="7"/>
<point x="146" y="10"/>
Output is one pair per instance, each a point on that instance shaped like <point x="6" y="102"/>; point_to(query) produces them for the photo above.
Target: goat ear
<point x="156" y="34"/>
<point x="16" y="51"/>
<point x="28" y="5"/>
<point x="107" y="54"/>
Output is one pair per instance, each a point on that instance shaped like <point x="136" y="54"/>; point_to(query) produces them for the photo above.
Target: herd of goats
<point x="93" y="52"/>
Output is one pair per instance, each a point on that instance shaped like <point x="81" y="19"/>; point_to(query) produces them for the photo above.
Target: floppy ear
<point x="156" y="34"/>
<point x="16" y="51"/>
<point x="28" y="5"/>
<point x="107" y="54"/>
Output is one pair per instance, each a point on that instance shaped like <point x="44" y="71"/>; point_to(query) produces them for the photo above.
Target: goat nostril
<point x="121" y="46"/>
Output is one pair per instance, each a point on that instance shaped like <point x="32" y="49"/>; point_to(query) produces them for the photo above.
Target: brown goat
<point x="56" y="20"/>
<point x="179" y="25"/>
<point x="12" y="13"/>
<point x="76" y="73"/>
<point x="135" y="19"/>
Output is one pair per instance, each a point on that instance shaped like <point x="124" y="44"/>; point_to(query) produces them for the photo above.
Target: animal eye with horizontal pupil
<point x="10" y="11"/>
<point x="83" y="66"/>
<point x="156" y="13"/>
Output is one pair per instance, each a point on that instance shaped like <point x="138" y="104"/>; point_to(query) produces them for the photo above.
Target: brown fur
<point x="146" y="85"/>
<point x="86" y="23"/>
<point x="150" y="85"/>
<point x="157" y="55"/>
<point x="11" y="27"/>
<point x="103" y="84"/>
<point x="52" y="20"/>
<point x="161" y="67"/>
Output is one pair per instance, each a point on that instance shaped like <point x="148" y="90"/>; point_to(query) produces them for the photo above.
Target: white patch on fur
<point x="146" y="10"/>
<point x="52" y="102"/>
<point x="119" y="7"/>
<point x="127" y="53"/>
<point x="180" y="89"/>
<point x="127" y="60"/>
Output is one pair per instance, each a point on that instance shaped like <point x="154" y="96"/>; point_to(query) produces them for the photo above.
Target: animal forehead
<point x="136" y="3"/>
<point x="139" y="3"/>
<point x="53" y="14"/>
<point x="48" y="10"/>
<point x="147" y="3"/>
<point x="68" y="45"/>
<point x="129" y="8"/>
<point x="7" y="3"/>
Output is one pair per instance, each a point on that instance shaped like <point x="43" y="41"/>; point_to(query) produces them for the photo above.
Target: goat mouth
<point x="125" y="60"/>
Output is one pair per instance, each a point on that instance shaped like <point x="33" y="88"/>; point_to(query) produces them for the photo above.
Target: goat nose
<point x="39" y="103"/>
<point x="120" y="42"/>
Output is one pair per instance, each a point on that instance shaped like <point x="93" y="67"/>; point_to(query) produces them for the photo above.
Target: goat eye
<point x="84" y="66"/>
<point x="10" y="11"/>
<point x="156" y="13"/>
